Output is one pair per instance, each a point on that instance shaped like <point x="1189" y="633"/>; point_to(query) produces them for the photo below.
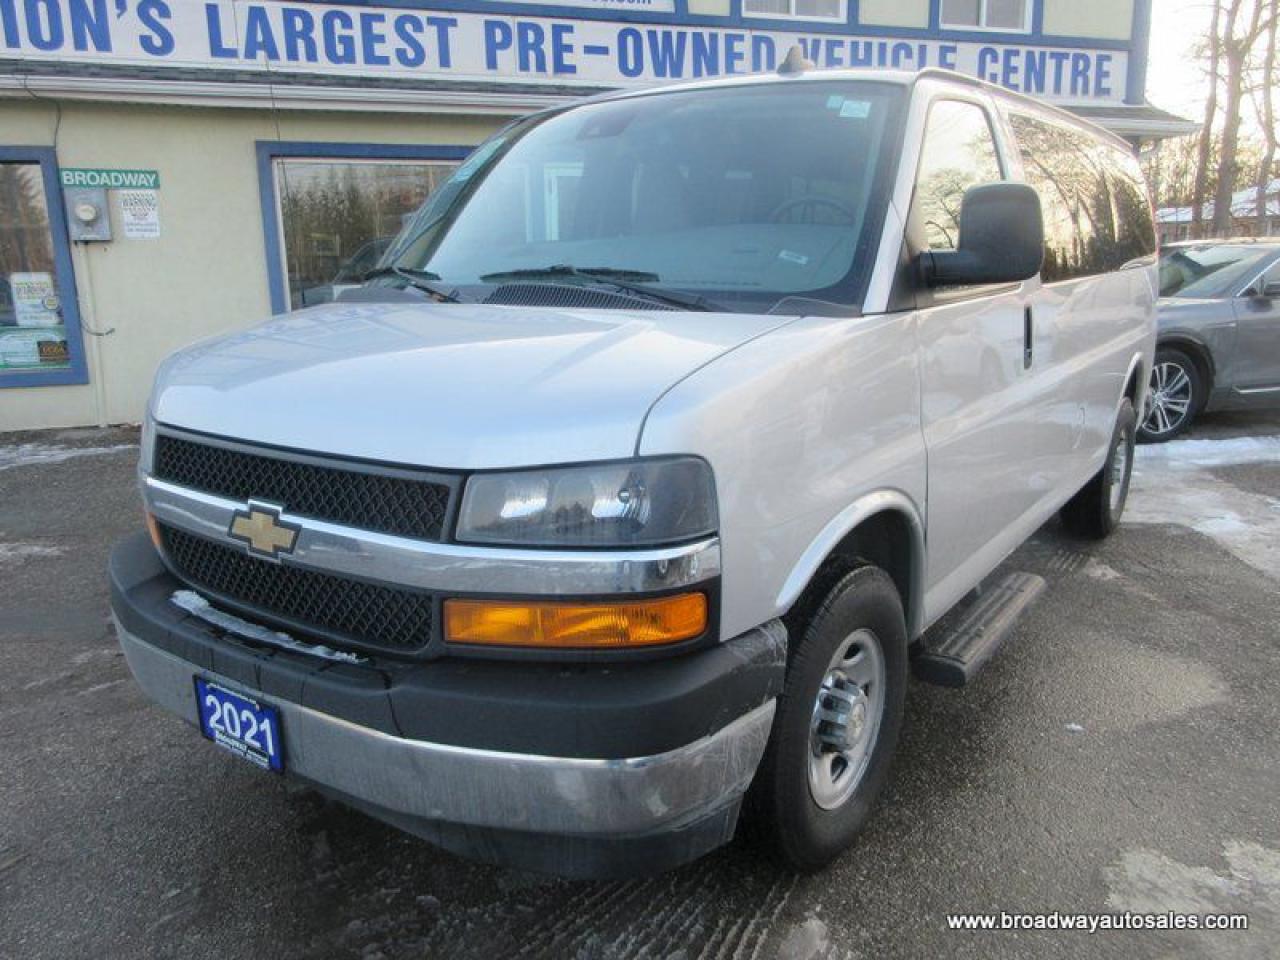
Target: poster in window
<point x="32" y="335"/>
<point x="35" y="300"/>
<point x="33" y="348"/>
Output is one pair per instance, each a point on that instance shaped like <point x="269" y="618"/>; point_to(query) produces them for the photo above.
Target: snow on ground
<point x="30" y="454"/>
<point x="1228" y="451"/>
<point x="16" y="554"/>
<point x="1147" y="881"/>
<point x="1174" y="483"/>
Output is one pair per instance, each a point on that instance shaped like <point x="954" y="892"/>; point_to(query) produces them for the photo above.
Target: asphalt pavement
<point x="1122" y="753"/>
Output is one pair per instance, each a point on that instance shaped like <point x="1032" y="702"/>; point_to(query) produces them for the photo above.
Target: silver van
<point x="619" y="500"/>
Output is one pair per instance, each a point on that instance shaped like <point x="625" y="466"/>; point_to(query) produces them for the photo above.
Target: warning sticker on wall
<point x="139" y="213"/>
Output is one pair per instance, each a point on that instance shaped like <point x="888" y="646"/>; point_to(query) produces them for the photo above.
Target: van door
<point x="985" y="437"/>
<point x="1092" y="312"/>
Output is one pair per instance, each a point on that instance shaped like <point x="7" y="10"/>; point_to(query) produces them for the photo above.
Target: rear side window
<point x="1097" y="216"/>
<point x="1135" y="221"/>
<point x="959" y="152"/>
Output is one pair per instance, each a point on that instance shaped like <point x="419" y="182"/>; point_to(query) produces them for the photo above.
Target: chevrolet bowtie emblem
<point x="259" y="527"/>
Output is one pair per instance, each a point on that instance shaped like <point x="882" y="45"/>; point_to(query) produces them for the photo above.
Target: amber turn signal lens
<point x="576" y="626"/>
<point x="153" y="528"/>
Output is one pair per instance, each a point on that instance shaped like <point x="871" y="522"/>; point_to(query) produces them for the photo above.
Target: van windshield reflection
<point x="731" y="199"/>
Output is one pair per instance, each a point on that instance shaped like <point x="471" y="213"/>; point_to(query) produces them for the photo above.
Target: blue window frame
<point x="269" y="151"/>
<point x="59" y="355"/>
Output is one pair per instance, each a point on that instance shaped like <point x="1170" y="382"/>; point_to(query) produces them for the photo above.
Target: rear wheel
<point x="1095" y="511"/>
<point x="837" y="722"/>
<point x="1176" y="396"/>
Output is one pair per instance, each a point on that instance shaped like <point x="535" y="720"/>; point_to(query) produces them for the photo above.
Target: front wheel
<point x="1175" y="397"/>
<point x="1095" y="511"/>
<point x="837" y="722"/>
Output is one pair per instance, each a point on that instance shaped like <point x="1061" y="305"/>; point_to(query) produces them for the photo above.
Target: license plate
<point x="249" y="729"/>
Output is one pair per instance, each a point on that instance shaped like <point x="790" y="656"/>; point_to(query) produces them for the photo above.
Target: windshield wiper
<point x="423" y="280"/>
<point x="568" y="270"/>
<point x="629" y="281"/>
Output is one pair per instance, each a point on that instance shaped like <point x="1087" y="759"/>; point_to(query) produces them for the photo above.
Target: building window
<point x="796" y="9"/>
<point x="339" y="216"/>
<point x="1011" y="16"/>
<point x="331" y="210"/>
<point x="39" y="325"/>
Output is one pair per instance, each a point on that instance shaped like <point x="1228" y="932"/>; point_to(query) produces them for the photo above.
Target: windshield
<point x="1209" y="271"/>
<point x="741" y="196"/>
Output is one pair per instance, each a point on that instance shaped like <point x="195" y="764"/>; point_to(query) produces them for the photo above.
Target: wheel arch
<point x="1199" y="353"/>
<point x="884" y="528"/>
<point x="1137" y="382"/>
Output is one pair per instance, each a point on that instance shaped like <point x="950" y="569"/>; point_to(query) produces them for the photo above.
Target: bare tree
<point x="1243" y="29"/>
<point x="1170" y="166"/>
<point x="1267" y="115"/>
<point x="1206" y="131"/>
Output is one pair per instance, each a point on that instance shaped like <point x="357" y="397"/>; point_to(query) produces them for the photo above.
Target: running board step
<point x="978" y="631"/>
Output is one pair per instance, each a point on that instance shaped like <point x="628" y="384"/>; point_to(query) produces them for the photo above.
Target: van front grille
<point x="385" y="500"/>
<point x="346" y="612"/>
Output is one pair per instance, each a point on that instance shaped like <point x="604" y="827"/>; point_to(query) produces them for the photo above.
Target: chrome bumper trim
<point x="346" y="551"/>
<point x="486" y="788"/>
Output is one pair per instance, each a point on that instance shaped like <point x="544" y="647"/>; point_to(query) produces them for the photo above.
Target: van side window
<point x="959" y="152"/>
<point x="1135" y="224"/>
<point x="1097" y="217"/>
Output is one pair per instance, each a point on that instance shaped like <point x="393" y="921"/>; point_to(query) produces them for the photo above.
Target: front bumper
<point x="583" y="771"/>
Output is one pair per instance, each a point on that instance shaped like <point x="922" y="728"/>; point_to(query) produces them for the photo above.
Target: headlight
<point x="629" y="504"/>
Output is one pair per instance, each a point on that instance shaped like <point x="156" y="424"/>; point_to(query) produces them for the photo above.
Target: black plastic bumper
<point x="515" y="763"/>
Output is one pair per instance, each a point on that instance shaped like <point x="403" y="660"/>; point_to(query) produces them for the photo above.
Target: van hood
<point x="453" y="386"/>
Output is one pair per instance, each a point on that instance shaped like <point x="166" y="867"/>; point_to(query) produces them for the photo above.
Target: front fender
<point x="846" y="522"/>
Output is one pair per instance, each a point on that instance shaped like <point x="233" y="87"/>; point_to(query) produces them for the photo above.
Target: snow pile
<point x="198" y="606"/>
<point x="31" y="454"/>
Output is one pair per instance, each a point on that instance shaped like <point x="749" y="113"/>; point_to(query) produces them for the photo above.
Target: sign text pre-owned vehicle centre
<point x="370" y="42"/>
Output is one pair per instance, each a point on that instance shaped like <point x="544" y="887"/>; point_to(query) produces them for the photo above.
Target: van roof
<point x="906" y="78"/>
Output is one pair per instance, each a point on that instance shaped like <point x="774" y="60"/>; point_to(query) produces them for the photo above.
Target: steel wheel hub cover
<point x="846" y="719"/>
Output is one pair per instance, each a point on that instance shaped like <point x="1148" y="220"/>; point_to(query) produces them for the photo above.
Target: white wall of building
<point x="207" y="273"/>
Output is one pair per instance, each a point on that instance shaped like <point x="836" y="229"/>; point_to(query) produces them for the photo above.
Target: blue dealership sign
<point x="609" y="43"/>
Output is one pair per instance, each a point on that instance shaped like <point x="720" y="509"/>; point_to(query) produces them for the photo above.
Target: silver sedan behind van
<point x="1219" y="342"/>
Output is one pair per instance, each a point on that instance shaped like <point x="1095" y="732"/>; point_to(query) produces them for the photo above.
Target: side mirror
<point x="1271" y="291"/>
<point x="1001" y="239"/>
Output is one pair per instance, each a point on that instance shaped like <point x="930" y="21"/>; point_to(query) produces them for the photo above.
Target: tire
<point x="1094" y="512"/>
<point x="1176" y="395"/>
<point x="808" y="826"/>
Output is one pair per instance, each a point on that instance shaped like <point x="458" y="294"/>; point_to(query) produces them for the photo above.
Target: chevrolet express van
<point x="619" y="499"/>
